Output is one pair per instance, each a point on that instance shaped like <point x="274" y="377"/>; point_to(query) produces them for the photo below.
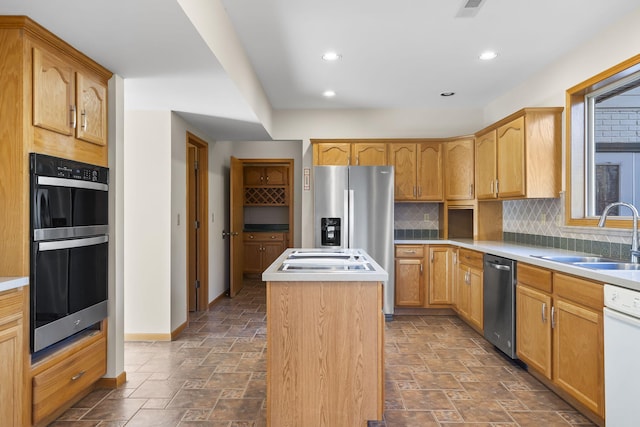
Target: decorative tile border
<point x="415" y="234"/>
<point x="620" y="251"/>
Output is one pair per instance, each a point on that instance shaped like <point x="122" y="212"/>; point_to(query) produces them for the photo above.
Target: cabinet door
<point x="253" y="175"/>
<point x="486" y="165"/>
<point x="459" y="169"/>
<point x="11" y="374"/>
<point x="440" y="286"/>
<point x="53" y="93"/>
<point x="92" y="110"/>
<point x="409" y="282"/>
<point x="276" y="175"/>
<point x="476" y="298"/>
<point x="403" y="159"/>
<point x="578" y="351"/>
<point x="533" y="328"/>
<point x="369" y="154"/>
<point x="462" y="291"/>
<point x="511" y="168"/>
<point x="429" y="171"/>
<point x="329" y="154"/>
<point x="271" y="251"/>
<point x="252" y="257"/>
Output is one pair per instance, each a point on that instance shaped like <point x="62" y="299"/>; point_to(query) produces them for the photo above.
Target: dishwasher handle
<point x="499" y="266"/>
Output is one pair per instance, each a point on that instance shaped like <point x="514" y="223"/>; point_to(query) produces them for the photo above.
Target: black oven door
<point x="66" y="208"/>
<point x="70" y="278"/>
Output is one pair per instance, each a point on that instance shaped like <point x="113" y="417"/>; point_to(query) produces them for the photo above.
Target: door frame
<point x="202" y="156"/>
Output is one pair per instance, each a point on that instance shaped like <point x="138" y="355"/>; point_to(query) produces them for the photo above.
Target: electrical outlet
<point x="427" y="217"/>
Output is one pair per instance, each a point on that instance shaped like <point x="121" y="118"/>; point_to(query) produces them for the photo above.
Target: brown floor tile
<point x="438" y="372"/>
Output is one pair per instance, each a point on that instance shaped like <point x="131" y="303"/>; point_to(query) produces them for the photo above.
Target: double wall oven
<point x="69" y="248"/>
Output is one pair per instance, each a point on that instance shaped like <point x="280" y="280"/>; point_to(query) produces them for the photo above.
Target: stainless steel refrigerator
<point x="353" y="208"/>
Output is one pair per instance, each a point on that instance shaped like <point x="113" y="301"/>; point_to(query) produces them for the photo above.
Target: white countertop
<point x="523" y="253"/>
<point x="8" y="283"/>
<point x="274" y="274"/>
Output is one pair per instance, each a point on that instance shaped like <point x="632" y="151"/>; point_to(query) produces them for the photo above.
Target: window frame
<point x="576" y="144"/>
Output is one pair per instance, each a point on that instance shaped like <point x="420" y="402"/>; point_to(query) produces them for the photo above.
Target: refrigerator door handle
<point x="346" y="222"/>
<point x="351" y="215"/>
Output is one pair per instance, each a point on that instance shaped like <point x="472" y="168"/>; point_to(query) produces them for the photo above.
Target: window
<point x="603" y="144"/>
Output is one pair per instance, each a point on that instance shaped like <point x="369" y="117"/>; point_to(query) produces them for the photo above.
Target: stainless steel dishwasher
<point x="499" y="280"/>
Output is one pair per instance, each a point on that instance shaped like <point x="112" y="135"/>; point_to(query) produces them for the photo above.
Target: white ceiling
<point x="395" y="54"/>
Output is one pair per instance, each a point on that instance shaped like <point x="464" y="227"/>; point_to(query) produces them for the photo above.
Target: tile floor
<point x="439" y="372"/>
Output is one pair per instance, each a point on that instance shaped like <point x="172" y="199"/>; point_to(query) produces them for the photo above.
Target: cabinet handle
<point x="414" y="191"/>
<point x="261" y="178"/>
<point x="419" y="190"/>
<point x="421" y="268"/>
<point x="84" y="120"/>
<point x="267" y="179"/>
<point x="544" y="312"/>
<point x="77" y="376"/>
<point x="273" y="237"/>
<point x="470" y="190"/>
<point x="251" y="236"/>
<point x="553" y="317"/>
<point x="73" y="116"/>
<point x="497" y="191"/>
<point x="455" y="258"/>
<point x="491" y="191"/>
<point x="409" y="251"/>
<point x="432" y="258"/>
<point x="357" y="159"/>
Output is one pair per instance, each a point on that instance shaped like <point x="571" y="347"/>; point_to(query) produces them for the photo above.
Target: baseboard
<point x="217" y="299"/>
<point x="147" y="337"/>
<point x="116" y="382"/>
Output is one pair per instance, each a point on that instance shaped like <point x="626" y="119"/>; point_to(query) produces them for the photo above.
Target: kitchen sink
<point x="608" y="265"/>
<point x="572" y="259"/>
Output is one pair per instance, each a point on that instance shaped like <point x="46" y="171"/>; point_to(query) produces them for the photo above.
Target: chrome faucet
<point x="635" y="254"/>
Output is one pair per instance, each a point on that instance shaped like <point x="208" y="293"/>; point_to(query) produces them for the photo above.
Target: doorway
<point x="197" y="225"/>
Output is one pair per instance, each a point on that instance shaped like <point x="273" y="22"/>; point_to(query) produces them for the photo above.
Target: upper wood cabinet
<point x="369" y="154"/>
<point x="349" y="152"/>
<point x="418" y="171"/>
<point x="459" y="159"/>
<point x="519" y="156"/>
<point x="68" y="101"/>
<point x="265" y="175"/>
<point x="332" y="153"/>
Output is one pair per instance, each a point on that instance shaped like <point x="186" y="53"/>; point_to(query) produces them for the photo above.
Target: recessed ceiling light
<point x="447" y="93"/>
<point x="331" y="56"/>
<point x="329" y="93"/>
<point x="488" y="55"/>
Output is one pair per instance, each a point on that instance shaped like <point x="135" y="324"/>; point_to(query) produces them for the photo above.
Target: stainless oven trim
<point x="70" y="244"/>
<point x="69" y="232"/>
<point x="72" y="183"/>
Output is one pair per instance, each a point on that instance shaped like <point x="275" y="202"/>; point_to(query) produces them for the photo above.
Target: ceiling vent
<point x="469" y="8"/>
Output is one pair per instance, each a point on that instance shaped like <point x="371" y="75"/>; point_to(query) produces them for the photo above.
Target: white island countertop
<point x="8" y="283"/>
<point x="311" y="265"/>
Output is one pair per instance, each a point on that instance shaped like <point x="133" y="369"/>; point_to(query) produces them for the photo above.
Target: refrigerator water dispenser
<point x="330" y="231"/>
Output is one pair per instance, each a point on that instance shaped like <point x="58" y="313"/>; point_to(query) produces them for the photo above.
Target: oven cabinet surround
<point x="13" y="341"/>
<point x="40" y="73"/>
<point x="520" y="156"/>
<point x="424" y="276"/>
<point x="559" y="325"/>
<point x="469" y="288"/>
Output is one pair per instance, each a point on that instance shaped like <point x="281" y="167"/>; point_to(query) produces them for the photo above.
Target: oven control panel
<point x="43" y="165"/>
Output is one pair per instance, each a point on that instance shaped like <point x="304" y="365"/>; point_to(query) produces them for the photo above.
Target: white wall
<point x="147" y="221"/>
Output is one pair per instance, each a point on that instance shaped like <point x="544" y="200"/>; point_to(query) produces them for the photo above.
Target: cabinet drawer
<point x="416" y="251"/>
<point x="11" y="305"/>
<point x="581" y="291"/>
<point x="264" y="237"/>
<point x="470" y="258"/>
<point x="60" y="383"/>
<point x="535" y="277"/>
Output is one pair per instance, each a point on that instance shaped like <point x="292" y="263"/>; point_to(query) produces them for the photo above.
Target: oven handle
<point x="72" y="183"/>
<point x="70" y="244"/>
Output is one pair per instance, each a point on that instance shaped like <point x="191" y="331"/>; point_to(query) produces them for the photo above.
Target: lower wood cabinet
<point x="469" y="287"/>
<point x="261" y="249"/>
<point x="440" y="275"/>
<point x="12" y="356"/>
<point x="559" y="329"/>
<point x="65" y="378"/>
<point x="410" y="273"/>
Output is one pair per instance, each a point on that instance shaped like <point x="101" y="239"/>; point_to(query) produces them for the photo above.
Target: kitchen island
<point x="325" y="338"/>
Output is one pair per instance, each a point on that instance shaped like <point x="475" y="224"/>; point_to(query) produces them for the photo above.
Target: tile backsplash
<point x="532" y="221"/>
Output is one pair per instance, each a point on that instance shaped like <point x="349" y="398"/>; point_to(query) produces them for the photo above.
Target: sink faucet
<point x="635" y="254"/>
